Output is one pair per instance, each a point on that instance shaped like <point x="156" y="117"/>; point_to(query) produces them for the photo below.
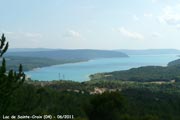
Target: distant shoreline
<point x="57" y="65"/>
<point x="34" y="69"/>
<point x="80" y="61"/>
<point x="79" y="72"/>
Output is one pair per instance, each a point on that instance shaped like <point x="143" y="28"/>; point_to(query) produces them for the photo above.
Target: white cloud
<point x="154" y="1"/>
<point x="23" y="34"/>
<point x="33" y="35"/>
<point x="133" y="35"/>
<point x="8" y="32"/>
<point x="135" y="17"/>
<point x="148" y="15"/>
<point x="72" y="34"/>
<point x="170" y="16"/>
<point x="24" y="39"/>
<point x="156" y="35"/>
<point x="178" y="26"/>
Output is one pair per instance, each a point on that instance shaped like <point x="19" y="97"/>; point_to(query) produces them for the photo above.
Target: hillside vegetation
<point x="143" y="74"/>
<point x="36" y="58"/>
<point x="132" y="101"/>
<point x="30" y="63"/>
<point x="70" y="54"/>
<point x="174" y="63"/>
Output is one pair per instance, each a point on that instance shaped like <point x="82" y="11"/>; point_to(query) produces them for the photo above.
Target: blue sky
<point x="91" y="24"/>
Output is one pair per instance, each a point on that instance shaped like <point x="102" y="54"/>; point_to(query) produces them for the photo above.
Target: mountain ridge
<point x="83" y="54"/>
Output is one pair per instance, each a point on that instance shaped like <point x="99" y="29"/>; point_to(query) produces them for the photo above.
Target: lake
<point x="80" y="71"/>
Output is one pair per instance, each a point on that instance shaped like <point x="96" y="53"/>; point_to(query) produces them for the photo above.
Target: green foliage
<point x="83" y="54"/>
<point x="147" y="105"/>
<point x="130" y="104"/>
<point x="3" y="45"/>
<point x="142" y="74"/>
<point x="9" y="80"/>
<point x="30" y="63"/>
<point x="30" y="100"/>
<point x="108" y="106"/>
<point x="174" y="63"/>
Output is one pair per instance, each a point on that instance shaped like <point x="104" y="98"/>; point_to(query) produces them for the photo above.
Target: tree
<point x="9" y="80"/>
<point x="3" y="45"/>
<point x="108" y="106"/>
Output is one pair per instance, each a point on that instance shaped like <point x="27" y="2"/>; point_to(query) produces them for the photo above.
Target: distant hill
<point x="29" y="49"/>
<point x="143" y="74"/>
<point x="150" y="51"/>
<point x="30" y="63"/>
<point x="174" y="63"/>
<point x="79" y="54"/>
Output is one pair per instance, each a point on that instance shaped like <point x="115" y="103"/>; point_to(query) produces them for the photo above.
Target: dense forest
<point x="77" y="54"/>
<point x="132" y="102"/>
<point x="31" y="63"/>
<point x="144" y="74"/>
<point x="174" y="63"/>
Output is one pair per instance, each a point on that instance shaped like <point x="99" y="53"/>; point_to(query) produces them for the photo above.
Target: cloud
<point x="170" y="16"/>
<point x="148" y="15"/>
<point x="156" y="35"/>
<point x="23" y="34"/>
<point x="8" y="32"/>
<point x="18" y="39"/>
<point x="72" y="34"/>
<point x="178" y="26"/>
<point x="33" y="35"/>
<point x="133" y="35"/>
<point x="135" y="17"/>
<point x="23" y="39"/>
<point x="154" y="1"/>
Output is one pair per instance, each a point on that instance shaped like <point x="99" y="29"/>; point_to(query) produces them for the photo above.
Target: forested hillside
<point x="174" y="63"/>
<point x="81" y="54"/>
<point x="36" y="58"/>
<point x="143" y="74"/>
<point x="132" y="101"/>
<point x="30" y="63"/>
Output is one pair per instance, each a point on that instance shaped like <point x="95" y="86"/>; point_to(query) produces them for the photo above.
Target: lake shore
<point x="79" y="71"/>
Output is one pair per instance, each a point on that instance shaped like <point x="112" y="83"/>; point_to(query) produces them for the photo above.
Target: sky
<point x="91" y="24"/>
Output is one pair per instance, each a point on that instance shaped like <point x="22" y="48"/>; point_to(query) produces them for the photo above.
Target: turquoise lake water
<point x="80" y="71"/>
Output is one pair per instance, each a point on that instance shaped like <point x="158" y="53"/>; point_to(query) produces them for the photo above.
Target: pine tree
<point x="9" y="80"/>
<point x="3" y="45"/>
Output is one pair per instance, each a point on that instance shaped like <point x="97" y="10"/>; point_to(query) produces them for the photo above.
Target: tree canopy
<point x="9" y="80"/>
